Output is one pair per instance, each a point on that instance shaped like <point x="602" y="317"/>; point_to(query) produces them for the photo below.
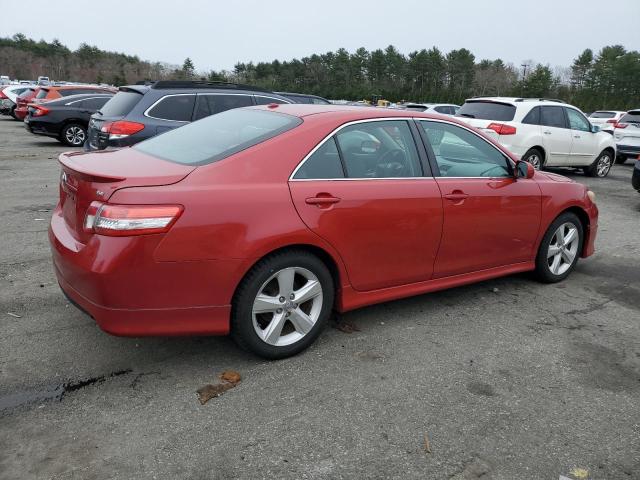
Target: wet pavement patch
<point x="55" y="392"/>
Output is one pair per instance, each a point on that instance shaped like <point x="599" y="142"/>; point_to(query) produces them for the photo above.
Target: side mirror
<point x="524" y="170"/>
<point x="595" y="128"/>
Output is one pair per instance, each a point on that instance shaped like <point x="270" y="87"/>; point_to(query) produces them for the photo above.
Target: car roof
<point x="348" y="113"/>
<point x="519" y="101"/>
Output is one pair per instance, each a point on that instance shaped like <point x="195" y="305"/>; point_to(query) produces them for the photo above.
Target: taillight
<point x="2" y="95"/>
<point x="612" y="121"/>
<point x="121" y="128"/>
<point x="502" y="129"/>
<point x="39" y="111"/>
<point x="127" y="220"/>
<point x="621" y="125"/>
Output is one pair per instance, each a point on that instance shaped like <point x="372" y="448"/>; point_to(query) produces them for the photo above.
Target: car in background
<point x="9" y="96"/>
<point x="139" y="112"/>
<point x="627" y="136"/>
<point x="66" y="118"/>
<point x="304" y="98"/>
<point x="543" y="132"/>
<point x="45" y="94"/>
<point x="4" y="80"/>
<point x="22" y="100"/>
<point x="43" y="81"/>
<point x="443" y="108"/>
<point x="605" y="119"/>
<point x="236" y="223"/>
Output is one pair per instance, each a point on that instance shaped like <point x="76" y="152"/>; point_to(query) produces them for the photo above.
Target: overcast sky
<point x="216" y="35"/>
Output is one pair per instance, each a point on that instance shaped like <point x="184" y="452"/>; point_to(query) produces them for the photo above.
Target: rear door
<point x="584" y="147"/>
<point x="491" y="219"/>
<point x="556" y="135"/>
<point x="365" y="192"/>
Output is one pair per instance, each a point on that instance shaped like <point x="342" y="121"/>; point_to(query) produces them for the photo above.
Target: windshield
<point x="487" y="110"/>
<point x="218" y="136"/>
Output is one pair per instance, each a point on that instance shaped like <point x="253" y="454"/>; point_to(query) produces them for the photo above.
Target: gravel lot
<point x="507" y="379"/>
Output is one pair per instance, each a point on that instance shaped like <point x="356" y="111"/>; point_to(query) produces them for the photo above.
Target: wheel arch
<point x="541" y="149"/>
<point x="583" y="216"/>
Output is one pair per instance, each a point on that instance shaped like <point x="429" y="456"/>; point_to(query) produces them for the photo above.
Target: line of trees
<point x="608" y="79"/>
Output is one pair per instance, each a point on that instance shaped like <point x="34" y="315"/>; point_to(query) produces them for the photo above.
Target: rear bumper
<point x="589" y="246"/>
<point x="627" y="149"/>
<point x="119" y="284"/>
<point x="20" y="112"/>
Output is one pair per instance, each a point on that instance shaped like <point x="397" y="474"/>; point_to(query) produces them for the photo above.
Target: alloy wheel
<point x="604" y="165"/>
<point x="287" y="306"/>
<point x="534" y="159"/>
<point x="75" y="135"/>
<point x="563" y="248"/>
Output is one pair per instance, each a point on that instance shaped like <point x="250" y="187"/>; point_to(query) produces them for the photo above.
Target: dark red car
<point x="259" y="221"/>
<point x="22" y="102"/>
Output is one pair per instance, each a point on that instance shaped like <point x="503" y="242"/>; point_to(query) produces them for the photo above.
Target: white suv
<point x="606" y="119"/>
<point x="627" y="136"/>
<point x="442" y="108"/>
<point x="545" y="133"/>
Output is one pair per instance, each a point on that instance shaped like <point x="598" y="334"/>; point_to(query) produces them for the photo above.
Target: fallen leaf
<point x="579" y="472"/>
<point x="208" y="392"/>
<point x="427" y="444"/>
<point x="230" y="376"/>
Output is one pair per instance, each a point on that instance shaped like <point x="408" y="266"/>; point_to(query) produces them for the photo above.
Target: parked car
<point x="67" y="118"/>
<point x="22" y="100"/>
<point x="8" y="98"/>
<point x="543" y="132"/>
<point x="443" y="108"/>
<point x="635" y="177"/>
<point x="304" y="98"/>
<point x="605" y="119"/>
<point x="45" y="94"/>
<point x="43" y="81"/>
<point x="236" y="223"/>
<point x="138" y="112"/>
<point x="627" y="136"/>
<point x="4" y="80"/>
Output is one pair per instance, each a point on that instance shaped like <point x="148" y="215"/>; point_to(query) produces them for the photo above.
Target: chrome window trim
<point x="417" y="119"/>
<point x="146" y="112"/>
<point x="286" y="101"/>
<point x="76" y="101"/>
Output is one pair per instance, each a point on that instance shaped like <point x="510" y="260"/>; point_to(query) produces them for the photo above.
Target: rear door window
<point x="487" y="110"/>
<point x="94" y="103"/>
<point x="213" y="103"/>
<point x="323" y="164"/>
<point x="42" y="93"/>
<point x="177" y="108"/>
<point x="121" y="104"/>
<point x="553" y="117"/>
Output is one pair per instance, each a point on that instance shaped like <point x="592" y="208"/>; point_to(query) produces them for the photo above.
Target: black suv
<point x="138" y="112"/>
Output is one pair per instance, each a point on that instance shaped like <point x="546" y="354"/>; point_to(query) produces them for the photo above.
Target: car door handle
<point x="577" y="136"/>
<point x="547" y="132"/>
<point x="322" y="201"/>
<point x="456" y="196"/>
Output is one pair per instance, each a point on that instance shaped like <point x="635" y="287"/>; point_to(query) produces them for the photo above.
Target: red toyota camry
<point x="259" y="221"/>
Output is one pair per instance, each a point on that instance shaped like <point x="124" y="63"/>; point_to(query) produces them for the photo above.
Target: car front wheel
<point x="560" y="248"/>
<point x="601" y="166"/>
<point x="73" y="135"/>
<point x="282" y="304"/>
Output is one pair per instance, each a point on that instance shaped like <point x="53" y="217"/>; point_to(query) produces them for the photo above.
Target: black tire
<point x="601" y="166"/>
<point x="620" y="159"/>
<point x="13" y="113"/>
<point x="73" y="135"/>
<point x="543" y="269"/>
<point x="242" y="319"/>
<point x="535" y="157"/>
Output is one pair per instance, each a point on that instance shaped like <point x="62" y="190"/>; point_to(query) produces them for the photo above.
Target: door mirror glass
<point x="595" y="128"/>
<point x="524" y="170"/>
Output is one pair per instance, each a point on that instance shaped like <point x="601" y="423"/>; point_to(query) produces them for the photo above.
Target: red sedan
<point x="259" y="221"/>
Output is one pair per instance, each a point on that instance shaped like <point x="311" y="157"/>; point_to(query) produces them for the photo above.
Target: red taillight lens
<point x="2" y="95"/>
<point x="502" y="129"/>
<point x="612" y="121"/>
<point x="621" y="125"/>
<point x="39" y="111"/>
<point x="127" y="220"/>
<point x="121" y="128"/>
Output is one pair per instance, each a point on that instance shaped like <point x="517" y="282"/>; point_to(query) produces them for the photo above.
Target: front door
<point x="556" y="135"/>
<point x="491" y="219"/>
<point x="364" y="191"/>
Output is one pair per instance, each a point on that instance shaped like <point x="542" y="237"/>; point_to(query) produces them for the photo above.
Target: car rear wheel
<point x="560" y="248"/>
<point x="601" y="166"/>
<point x="13" y="113"/>
<point x="73" y="135"/>
<point x="282" y="304"/>
<point x="534" y="157"/>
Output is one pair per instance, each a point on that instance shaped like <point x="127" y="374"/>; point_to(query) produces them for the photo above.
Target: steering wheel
<point x="392" y="164"/>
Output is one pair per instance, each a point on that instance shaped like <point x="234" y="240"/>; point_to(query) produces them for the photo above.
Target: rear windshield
<point x="218" y="136"/>
<point x="487" y="111"/>
<point x="633" y="117"/>
<point x="42" y="93"/>
<point x="121" y="104"/>
<point x="602" y="115"/>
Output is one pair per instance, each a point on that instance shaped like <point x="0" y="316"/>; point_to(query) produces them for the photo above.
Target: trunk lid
<point x="89" y="177"/>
